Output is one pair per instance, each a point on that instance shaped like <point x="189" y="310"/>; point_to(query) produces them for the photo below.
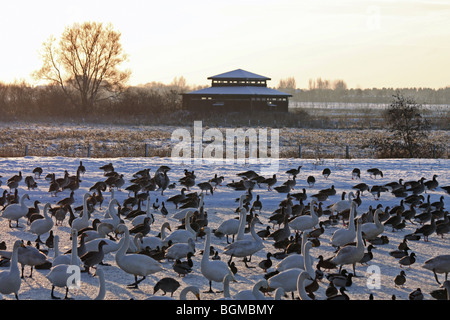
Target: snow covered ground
<point x="220" y="206"/>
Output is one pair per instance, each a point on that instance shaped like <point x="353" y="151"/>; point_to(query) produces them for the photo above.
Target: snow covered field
<point x="220" y="206"/>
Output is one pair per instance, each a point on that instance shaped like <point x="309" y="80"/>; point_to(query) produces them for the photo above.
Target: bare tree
<point x="85" y="63"/>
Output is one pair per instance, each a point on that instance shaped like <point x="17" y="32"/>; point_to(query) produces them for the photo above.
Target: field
<point x="221" y="206"/>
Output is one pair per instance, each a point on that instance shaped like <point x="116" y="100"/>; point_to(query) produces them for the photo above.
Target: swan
<point x="10" y="280"/>
<point x="226" y="287"/>
<point x="351" y="254"/>
<point x="153" y="242"/>
<point x="371" y="230"/>
<point x="182" y="235"/>
<point x="438" y="264"/>
<point x="83" y="221"/>
<point x="110" y="246"/>
<point x="343" y="236"/>
<point x="16" y="211"/>
<point x="212" y="270"/>
<point x="244" y="248"/>
<point x="102" y="286"/>
<point x="66" y="259"/>
<point x="180" y="250"/>
<point x="183" y="294"/>
<point x="41" y="226"/>
<point x="253" y="294"/>
<point x="148" y="213"/>
<point x="103" y="229"/>
<point x="232" y="226"/>
<point x="342" y="204"/>
<point x="302" y="277"/>
<point x="295" y="260"/>
<point x="136" y="264"/>
<point x="305" y="222"/>
<point x="27" y="256"/>
<point x="113" y="214"/>
<point x="286" y="279"/>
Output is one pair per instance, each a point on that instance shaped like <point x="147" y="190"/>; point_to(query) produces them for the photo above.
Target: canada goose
<point x="270" y="182"/>
<point x="206" y="186"/>
<point x="374" y="172"/>
<point x="294" y="172"/>
<point x="107" y="168"/>
<point x="427" y="229"/>
<point x="216" y="181"/>
<point x="432" y="184"/>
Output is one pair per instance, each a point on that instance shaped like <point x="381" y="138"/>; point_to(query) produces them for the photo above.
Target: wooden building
<point x="237" y="91"/>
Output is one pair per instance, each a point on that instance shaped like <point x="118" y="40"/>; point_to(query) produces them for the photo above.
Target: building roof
<point x="240" y="90"/>
<point x="239" y="74"/>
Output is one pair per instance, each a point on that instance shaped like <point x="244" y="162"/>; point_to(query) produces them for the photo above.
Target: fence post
<point x="89" y="151"/>
<point x="300" y="151"/>
<point x="347" y="153"/>
<point x="146" y="150"/>
<point x="26" y="150"/>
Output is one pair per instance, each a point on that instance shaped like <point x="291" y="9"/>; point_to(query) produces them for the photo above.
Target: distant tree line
<point x="323" y="90"/>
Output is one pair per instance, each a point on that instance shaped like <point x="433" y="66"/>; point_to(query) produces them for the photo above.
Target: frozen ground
<point x="221" y="206"/>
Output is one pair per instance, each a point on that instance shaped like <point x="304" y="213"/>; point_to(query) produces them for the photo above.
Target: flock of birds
<point x="105" y="225"/>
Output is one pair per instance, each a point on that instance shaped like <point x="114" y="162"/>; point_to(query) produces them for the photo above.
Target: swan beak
<point x="198" y="296"/>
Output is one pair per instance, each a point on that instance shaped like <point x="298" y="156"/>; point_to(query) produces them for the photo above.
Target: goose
<point x="438" y="264"/>
<point x="356" y="173"/>
<point x="253" y="294"/>
<point x="427" y="229"/>
<point x="212" y="270"/>
<point x="135" y="264"/>
<point x="180" y="250"/>
<point x="305" y="222"/>
<point x="245" y="247"/>
<point x="83" y="221"/>
<point x="10" y="280"/>
<point x="270" y="182"/>
<point x="107" y="168"/>
<point x="351" y="254"/>
<point x="374" y="172"/>
<point x="216" y="181"/>
<point x="371" y="230"/>
<point x="432" y="184"/>
<point x="183" y="294"/>
<point x="342" y="237"/>
<point x="326" y="173"/>
<point x="16" y="211"/>
<point x="294" y="172"/>
<point x="177" y="199"/>
<point x="93" y="257"/>
<point x="182" y="235"/>
<point x="41" y="226"/>
<point x="302" y="277"/>
<point x="206" y="186"/>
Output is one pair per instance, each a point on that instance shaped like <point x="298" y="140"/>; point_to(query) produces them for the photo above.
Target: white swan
<point x="253" y="294"/>
<point x="148" y="213"/>
<point x="305" y="222"/>
<point x="183" y="294"/>
<point x="101" y="284"/>
<point x="438" y="264"/>
<point x="182" y="235"/>
<point x="113" y="219"/>
<point x="83" y="221"/>
<point x="232" y="226"/>
<point x="286" y="279"/>
<point x="67" y="258"/>
<point x="10" y="280"/>
<point x="226" y="287"/>
<point x="302" y="278"/>
<point x="351" y="254"/>
<point x="212" y="270"/>
<point x="342" y="205"/>
<point x="103" y="229"/>
<point x="16" y="211"/>
<point x="294" y="260"/>
<point x="244" y="248"/>
<point x="180" y="250"/>
<point x="110" y="246"/>
<point x="154" y="242"/>
<point x="343" y="236"/>
<point x="41" y="226"/>
<point x="135" y="264"/>
<point x="371" y="230"/>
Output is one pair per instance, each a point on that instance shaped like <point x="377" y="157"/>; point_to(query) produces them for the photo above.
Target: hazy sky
<point x="381" y="43"/>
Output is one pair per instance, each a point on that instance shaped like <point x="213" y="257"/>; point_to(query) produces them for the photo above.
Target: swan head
<point x="121" y="228"/>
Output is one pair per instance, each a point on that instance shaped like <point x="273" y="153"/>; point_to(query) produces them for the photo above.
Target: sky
<point x="379" y="43"/>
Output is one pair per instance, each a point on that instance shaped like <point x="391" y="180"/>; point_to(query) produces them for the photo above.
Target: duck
<point x="135" y="264"/>
<point x="266" y="263"/>
<point x="368" y="255"/>
<point x="341" y="296"/>
<point x="305" y="222"/>
<point x="342" y="237"/>
<point x="351" y="254"/>
<point x="438" y="264"/>
<point x="253" y="294"/>
<point x="182" y="267"/>
<point x="408" y="260"/>
<point x="16" y="211"/>
<point x="10" y="280"/>
<point x="416" y="295"/>
<point x="400" y="279"/>
<point x="212" y="270"/>
<point x="42" y="226"/>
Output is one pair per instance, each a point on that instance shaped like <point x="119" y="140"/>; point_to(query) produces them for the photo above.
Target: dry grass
<point x="70" y="140"/>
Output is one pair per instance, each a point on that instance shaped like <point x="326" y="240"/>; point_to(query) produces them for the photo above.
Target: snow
<point x="221" y="205"/>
